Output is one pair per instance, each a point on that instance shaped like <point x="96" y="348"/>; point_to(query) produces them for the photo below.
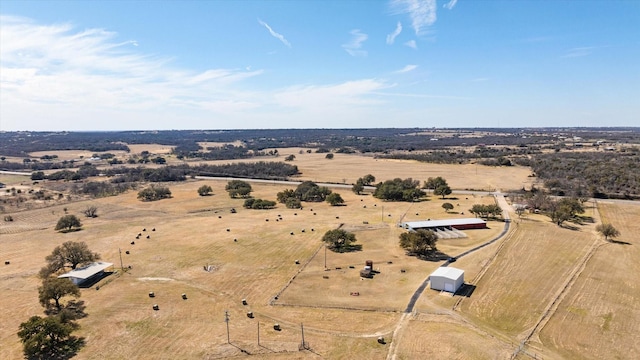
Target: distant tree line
<point x="591" y="174"/>
<point x="484" y="155"/>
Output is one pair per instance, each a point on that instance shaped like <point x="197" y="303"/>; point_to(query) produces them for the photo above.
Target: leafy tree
<point x="442" y="190"/>
<point x="69" y="254"/>
<point x="204" y="190"/>
<point x="154" y="193"/>
<point x="91" y="211"/>
<point x="486" y="210"/>
<point x="38" y="175"/>
<point x="54" y="289"/>
<point x="368" y="179"/>
<point x="434" y="183"/>
<point x="329" y="156"/>
<point x="335" y="199"/>
<point x="259" y="204"/>
<point x="238" y="188"/>
<point x="284" y="195"/>
<point x="420" y="242"/>
<point x="563" y="210"/>
<point x="608" y="231"/>
<point x="290" y="158"/>
<point x="399" y="190"/>
<point x="293" y="203"/>
<point x="310" y="191"/>
<point x="358" y="187"/>
<point x="68" y="222"/>
<point x="339" y="240"/>
<point x="447" y="206"/>
<point x="49" y="338"/>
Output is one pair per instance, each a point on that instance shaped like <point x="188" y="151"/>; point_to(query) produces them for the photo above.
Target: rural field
<point x="568" y="293"/>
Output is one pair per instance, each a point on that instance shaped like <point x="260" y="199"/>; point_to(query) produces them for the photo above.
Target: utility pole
<point x="226" y="319"/>
<point x="121" y="266"/>
<point x="325" y="256"/>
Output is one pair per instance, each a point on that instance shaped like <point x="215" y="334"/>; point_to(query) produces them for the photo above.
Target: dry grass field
<point x="253" y="256"/>
<point x="600" y="316"/>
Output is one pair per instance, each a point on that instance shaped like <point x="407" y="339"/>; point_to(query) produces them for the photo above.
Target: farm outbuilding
<point x="83" y="274"/>
<point x="447" y="279"/>
<point x="458" y="224"/>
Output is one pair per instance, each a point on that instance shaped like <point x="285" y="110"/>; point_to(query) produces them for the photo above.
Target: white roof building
<point x="82" y="274"/>
<point x="447" y="279"/>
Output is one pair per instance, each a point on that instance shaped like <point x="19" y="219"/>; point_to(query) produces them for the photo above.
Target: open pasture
<point x="531" y="268"/>
<point x="249" y="257"/>
<point x="599" y="317"/>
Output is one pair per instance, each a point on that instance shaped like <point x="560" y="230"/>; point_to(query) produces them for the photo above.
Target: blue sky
<point x="137" y="65"/>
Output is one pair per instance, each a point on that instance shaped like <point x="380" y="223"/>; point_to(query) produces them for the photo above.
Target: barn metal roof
<point x="86" y="272"/>
<point x="441" y="223"/>
<point x="448" y="272"/>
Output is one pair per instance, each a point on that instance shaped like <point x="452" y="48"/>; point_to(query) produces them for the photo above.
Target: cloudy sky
<point x="137" y="65"/>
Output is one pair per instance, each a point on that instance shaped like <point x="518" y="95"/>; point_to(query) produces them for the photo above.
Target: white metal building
<point x="91" y="271"/>
<point x="447" y="278"/>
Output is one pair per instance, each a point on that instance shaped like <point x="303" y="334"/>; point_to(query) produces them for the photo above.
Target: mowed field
<point x="600" y="316"/>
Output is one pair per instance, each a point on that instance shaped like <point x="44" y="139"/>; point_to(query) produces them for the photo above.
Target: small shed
<point x="83" y="274"/>
<point x="447" y="279"/>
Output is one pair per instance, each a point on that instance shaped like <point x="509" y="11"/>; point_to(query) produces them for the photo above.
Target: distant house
<point x="87" y="273"/>
<point x="446" y="279"/>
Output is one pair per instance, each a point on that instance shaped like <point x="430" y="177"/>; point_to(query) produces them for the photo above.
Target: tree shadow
<point x="74" y="310"/>
<point x="619" y="242"/>
<point x="64" y="231"/>
<point x="433" y="256"/>
<point x="61" y="350"/>
<point x="349" y="248"/>
<point x="569" y="227"/>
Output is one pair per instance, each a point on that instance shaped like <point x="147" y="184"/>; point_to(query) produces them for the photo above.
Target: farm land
<point x="551" y="292"/>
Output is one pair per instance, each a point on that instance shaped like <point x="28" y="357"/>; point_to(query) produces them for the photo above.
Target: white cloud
<point x="406" y="69"/>
<point x="354" y="47"/>
<point x="58" y="70"/>
<point x="578" y="52"/>
<point x="392" y="37"/>
<point x="412" y="44"/>
<point x="421" y="12"/>
<point x="450" y="4"/>
<point x="275" y="34"/>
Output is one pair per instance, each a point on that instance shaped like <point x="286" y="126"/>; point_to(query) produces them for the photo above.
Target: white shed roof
<point x="86" y="272"/>
<point x="448" y="272"/>
<point x="442" y="223"/>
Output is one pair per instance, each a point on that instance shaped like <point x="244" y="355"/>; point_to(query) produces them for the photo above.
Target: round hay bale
<point x="276" y="327"/>
<point x="7" y="262"/>
<point x="156" y="307"/>
<point x="381" y="340"/>
<point x="127" y="252"/>
<point x="250" y="314"/>
<point x="184" y="296"/>
<point x="297" y="262"/>
<point x="133" y="243"/>
<point x="152" y="294"/>
<point x="244" y="301"/>
<point x="228" y="229"/>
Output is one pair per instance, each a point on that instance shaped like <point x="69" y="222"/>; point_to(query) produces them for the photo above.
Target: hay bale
<point x="381" y="340"/>
<point x="250" y="314"/>
<point x="127" y="252"/>
<point x="276" y="327"/>
<point x="184" y="296"/>
<point x="152" y="294"/>
<point x="133" y="243"/>
<point x="156" y="307"/>
<point x="244" y="301"/>
<point x="7" y="262"/>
